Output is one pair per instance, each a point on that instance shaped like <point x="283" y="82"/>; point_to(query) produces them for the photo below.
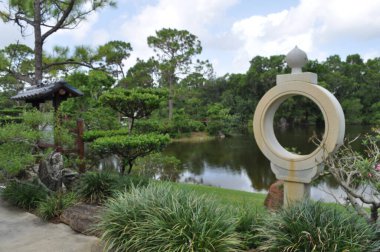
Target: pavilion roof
<point x="47" y="92"/>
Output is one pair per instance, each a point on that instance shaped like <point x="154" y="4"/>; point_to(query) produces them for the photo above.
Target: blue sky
<point x="232" y="32"/>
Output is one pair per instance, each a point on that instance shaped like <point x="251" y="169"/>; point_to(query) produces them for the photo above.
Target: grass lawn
<point x="228" y="196"/>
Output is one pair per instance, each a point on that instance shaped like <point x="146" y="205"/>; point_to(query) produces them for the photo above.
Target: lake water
<point x="237" y="163"/>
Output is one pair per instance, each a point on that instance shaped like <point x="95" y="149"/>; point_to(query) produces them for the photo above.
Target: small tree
<point x="128" y="148"/>
<point x="133" y="103"/>
<point x="359" y="175"/>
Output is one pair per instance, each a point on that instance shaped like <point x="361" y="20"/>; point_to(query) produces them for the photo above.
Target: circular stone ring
<point x="267" y="141"/>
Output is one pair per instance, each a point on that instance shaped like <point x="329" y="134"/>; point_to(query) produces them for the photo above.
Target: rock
<point x="50" y="171"/>
<point x="275" y="196"/>
<point x="81" y="217"/>
<point x="69" y="178"/>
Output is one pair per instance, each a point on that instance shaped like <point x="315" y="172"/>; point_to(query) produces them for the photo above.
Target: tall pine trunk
<point x="38" y="43"/>
<point x="171" y="95"/>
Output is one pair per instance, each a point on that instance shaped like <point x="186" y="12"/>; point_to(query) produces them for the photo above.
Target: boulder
<point x="69" y="178"/>
<point x="50" y="171"/>
<point x="275" y="196"/>
<point x="81" y="217"/>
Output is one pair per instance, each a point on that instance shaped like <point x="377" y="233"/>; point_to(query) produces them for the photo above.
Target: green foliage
<point x="54" y="205"/>
<point x="140" y="75"/>
<point x="220" y="120"/>
<point x="128" y="148"/>
<point x="125" y="183"/>
<point x="88" y="107"/>
<point x="374" y="117"/>
<point x="352" y="108"/>
<point x="248" y="218"/>
<point x="15" y="157"/>
<point x="96" y="187"/>
<point x="25" y="195"/>
<point x="91" y="135"/>
<point x="113" y="53"/>
<point x="133" y="103"/>
<point x="174" y="50"/>
<point x="313" y="226"/>
<point x="180" y="125"/>
<point x="45" y="19"/>
<point x="163" y="218"/>
<point x="18" y="142"/>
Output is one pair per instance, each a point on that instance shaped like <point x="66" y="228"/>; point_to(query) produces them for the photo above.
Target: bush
<point x="128" y="148"/>
<point x="92" y="135"/>
<point x="24" y="194"/>
<point x="163" y="218"/>
<point x="248" y="219"/>
<point x="96" y="187"/>
<point x="312" y="226"/>
<point x="53" y="206"/>
<point x="125" y="183"/>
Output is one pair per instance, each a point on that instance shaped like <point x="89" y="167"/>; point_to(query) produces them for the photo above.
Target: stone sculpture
<point x="297" y="171"/>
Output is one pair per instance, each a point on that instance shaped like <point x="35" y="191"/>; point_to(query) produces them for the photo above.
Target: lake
<point x="237" y="163"/>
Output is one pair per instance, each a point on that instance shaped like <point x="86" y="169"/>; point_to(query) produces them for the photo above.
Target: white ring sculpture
<point x="286" y="165"/>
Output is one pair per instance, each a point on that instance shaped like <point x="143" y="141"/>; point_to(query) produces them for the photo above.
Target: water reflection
<point x="237" y="162"/>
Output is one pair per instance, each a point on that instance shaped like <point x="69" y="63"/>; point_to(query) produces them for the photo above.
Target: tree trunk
<point x="130" y="167"/>
<point x="37" y="43"/>
<point x="122" y="169"/>
<point x="131" y="125"/>
<point x="171" y="96"/>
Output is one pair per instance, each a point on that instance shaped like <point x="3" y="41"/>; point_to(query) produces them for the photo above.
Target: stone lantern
<point x="297" y="171"/>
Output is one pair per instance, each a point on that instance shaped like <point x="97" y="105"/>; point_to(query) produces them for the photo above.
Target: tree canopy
<point x="45" y="17"/>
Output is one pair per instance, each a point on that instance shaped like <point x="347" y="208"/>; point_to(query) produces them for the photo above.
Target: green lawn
<point x="228" y="196"/>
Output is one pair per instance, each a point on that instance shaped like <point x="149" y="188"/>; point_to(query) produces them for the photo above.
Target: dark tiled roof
<point x="45" y="92"/>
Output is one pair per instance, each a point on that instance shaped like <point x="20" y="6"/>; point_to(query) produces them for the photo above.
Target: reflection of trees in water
<point x="232" y="154"/>
<point x="241" y="153"/>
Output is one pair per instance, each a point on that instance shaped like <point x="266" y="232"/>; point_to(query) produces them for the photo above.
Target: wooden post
<point x="80" y="145"/>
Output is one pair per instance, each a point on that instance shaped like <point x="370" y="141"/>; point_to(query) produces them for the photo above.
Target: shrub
<point x="53" y="206"/>
<point x="128" y="148"/>
<point x="248" y="219"/>
<point x="163" y="218"/>
<point x="125" y="183"/>
<point x="312" y="226"/>
<point x="24" y="194"/>
<point x="96" y="187"/>
<point x="92" y="135"/>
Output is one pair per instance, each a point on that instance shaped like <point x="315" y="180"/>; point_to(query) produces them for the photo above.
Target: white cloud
<point x="195" y="16"/>
<point x="82" y="34"/>
<point x="11" y="34"/>
<point x="312" y="25"/>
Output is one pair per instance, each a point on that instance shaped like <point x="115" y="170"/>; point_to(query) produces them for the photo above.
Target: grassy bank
<point x="227" y="196"/>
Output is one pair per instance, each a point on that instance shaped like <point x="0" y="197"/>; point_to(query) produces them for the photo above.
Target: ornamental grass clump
<point x="313" y="226"/>
<point x="96" y="187"/>
<point x="54" y="205"/>
<point x="26" y="195"/>
<point x="161" y="217"/>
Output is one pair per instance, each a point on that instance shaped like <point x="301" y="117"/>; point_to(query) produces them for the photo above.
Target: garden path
<point x="24" y="232"/>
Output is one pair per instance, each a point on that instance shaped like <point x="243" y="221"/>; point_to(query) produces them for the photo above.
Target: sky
<point x="232" y="32"/>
